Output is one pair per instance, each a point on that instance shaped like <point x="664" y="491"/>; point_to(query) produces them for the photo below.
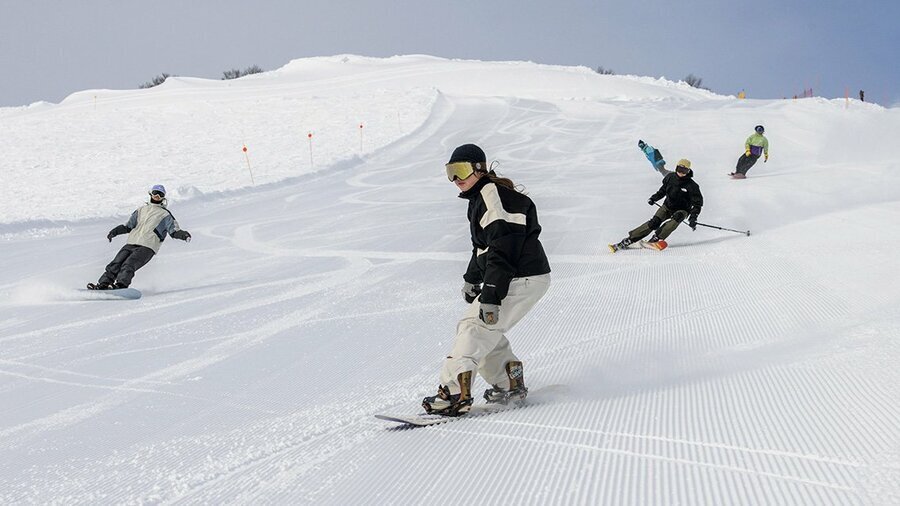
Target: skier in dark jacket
<point x="507" y="275"/>
<point x="146" y="229"/>
<point x="683" y="200"/>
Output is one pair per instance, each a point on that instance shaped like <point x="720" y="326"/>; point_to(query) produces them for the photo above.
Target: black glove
<point x="489" y="313"/>
<point x="470" y="292"/>
<point x="692" y="222"/>
<point x="121" y="229"/>
<point x="651" y="201"/>
<point x="184" y="235"/>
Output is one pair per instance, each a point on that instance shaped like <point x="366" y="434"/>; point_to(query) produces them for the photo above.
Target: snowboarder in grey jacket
<point x="147" y="229"/>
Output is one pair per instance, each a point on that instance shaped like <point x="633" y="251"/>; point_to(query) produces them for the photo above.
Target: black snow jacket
<point x="682" y="193"/>
<point x="505" y="229"/>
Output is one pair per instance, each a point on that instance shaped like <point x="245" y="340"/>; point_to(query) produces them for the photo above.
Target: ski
<point x="658" y="245"/>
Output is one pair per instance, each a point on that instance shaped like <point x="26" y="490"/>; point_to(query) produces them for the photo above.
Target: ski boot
<point x="623" y="244"/>
<point x="517" y="391"/>
<point x="447" y="404"/>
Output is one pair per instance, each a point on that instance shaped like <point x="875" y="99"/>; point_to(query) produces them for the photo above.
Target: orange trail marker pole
<point x="309" y="136"/>
<point x="247" y="157"/>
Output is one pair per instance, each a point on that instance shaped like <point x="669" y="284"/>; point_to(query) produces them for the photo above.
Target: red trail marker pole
<point x="247" y="157"/>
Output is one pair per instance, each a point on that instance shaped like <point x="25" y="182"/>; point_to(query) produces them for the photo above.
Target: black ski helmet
<point x="759" y="129"/>
<point x="472" y="154"/>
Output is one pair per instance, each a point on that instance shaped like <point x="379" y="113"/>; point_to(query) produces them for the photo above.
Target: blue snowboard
<point x="120" y="294"/>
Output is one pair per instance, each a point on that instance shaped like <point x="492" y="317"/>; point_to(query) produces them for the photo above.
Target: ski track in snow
<point x="250" y="370"/>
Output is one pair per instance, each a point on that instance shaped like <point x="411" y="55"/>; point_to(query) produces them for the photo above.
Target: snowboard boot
<point x="517" y="391"/>
<point x="447" y="404"/>
<point x="118" y="285"/>
<point x="99" y="286"/>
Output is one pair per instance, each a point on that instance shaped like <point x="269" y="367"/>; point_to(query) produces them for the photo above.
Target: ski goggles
<point x="158" y="193"/>
<point x="682" y="169"/>
<point x="459" y="170"/>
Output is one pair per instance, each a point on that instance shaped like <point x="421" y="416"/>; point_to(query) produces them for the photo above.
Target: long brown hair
<point x="502" y="181"/>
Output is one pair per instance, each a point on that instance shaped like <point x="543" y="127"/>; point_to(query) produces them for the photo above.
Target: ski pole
<point x="745" y="232"/>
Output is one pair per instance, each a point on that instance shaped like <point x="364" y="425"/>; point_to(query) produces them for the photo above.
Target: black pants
<point x="129" y="259"/>
<point x="745" y="162"/>
<point x="663" y="222"/>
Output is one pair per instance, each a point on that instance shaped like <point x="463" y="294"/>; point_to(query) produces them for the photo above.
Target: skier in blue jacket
<point x="655" y="157"/>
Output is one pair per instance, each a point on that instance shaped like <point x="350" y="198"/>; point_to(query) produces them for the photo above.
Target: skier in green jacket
<point x="755" y="146"/>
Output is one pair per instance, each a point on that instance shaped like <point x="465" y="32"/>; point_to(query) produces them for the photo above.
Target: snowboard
<point x="118" y="294"/>
<point x="537" y="396"/>
<point x="658" y="245"/>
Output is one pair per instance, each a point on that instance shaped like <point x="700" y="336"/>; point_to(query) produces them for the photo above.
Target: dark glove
<point x="489" y="313"/>
<point x="121" y="229"/>
<point x="692" y="222"/>
<point x="651" y="201"/>
<point x="470" y="292"/>
<point x="184" y="235"/>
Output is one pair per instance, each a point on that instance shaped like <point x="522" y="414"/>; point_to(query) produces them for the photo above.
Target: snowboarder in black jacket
<point x="507" y="275"/>
<point x="683" y="200"/>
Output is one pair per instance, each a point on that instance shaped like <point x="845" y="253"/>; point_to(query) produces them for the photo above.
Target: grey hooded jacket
<point x="149" y="225"/>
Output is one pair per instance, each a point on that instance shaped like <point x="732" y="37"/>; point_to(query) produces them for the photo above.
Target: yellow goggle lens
<point x="459" y="170"/>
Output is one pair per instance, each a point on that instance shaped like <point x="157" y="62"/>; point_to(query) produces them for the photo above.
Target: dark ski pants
<point x="129" y="259"/>
<point x="664" y="222"/>
<point x="744" y="163"/>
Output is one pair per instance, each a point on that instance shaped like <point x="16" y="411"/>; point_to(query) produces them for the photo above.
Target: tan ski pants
<point x="484" y="348"/>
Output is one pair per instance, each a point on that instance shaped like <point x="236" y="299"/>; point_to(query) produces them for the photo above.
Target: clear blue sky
<point x="771" y="49"/>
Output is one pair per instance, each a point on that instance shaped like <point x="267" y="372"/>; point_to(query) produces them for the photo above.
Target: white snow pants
<point x="484" y="348"/>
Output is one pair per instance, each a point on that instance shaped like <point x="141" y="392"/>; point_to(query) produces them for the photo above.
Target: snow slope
<point x="725" y="370"/>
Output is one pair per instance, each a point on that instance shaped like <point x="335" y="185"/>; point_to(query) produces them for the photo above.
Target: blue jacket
<point x="655" y="157"/>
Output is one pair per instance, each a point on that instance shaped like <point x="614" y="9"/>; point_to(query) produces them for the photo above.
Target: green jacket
<point x="758" y="141"/>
